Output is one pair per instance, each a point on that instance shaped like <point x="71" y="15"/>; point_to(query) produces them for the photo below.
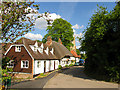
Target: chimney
<point x="59" y="41"/>
<point x="49" y="40"/>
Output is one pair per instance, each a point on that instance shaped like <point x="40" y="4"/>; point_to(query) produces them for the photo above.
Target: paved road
<point x="75" y="78"/>
<point x="39" y="83"/>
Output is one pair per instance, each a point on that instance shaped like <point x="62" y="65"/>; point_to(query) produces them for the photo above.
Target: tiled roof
<point x="74" y="54"/>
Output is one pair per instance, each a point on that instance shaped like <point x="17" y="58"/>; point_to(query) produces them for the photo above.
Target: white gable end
<point x="36" y="44"/>
<point x="32" y="47"/>
<point x="42" y="46"/>
<point x="52" y="51"/>
<point x="40" y="49"/>
<point x="46" y="51"/>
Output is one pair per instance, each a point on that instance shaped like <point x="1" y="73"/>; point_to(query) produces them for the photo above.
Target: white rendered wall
<point x="72" y="58"/>
<point x="52" y="65"/>
<point x="38" y="70"/>
<point x="77" y="59"/>
<point x="47" y="66"/>
<point x="56" y="64"/>
<point x="69" y="62"/>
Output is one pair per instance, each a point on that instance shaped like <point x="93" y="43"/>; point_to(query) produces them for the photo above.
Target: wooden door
<point x="54" y="65"/>
<point x="44" y="66"/>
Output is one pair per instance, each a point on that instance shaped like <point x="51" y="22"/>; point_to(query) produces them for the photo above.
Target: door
<point x="37" y="67"/>
<point x="44" y="66"/>
<point x="54" y="65"/>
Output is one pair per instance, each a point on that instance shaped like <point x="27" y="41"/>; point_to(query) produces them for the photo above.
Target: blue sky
<point x="77" y="13"/>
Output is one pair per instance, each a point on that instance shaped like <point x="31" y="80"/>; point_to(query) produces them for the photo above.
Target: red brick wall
<point x="17" y="57"/>
<point x="23" y="75"/>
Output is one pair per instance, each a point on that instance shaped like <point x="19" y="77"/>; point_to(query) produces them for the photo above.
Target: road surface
<point x="75" y="78"/>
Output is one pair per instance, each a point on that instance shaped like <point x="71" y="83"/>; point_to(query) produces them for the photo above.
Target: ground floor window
<point x="10" y="64"/>
<point x="24" y="64"/>
<point x="38" y="64"/>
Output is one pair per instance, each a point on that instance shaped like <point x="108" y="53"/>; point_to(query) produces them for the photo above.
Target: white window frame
<point x="24" y="64"/>
<point x="35" y="48"/>
<point x="38" y="65"/>
<point x="11" y="62"/>
<point x="17" y="48"/>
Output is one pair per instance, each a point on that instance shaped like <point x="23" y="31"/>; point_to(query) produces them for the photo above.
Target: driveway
<point x="38" y="83"/>
<point x="75" y="78"/>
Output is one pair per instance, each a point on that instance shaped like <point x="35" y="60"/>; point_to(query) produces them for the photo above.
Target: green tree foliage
<point x="15" y="20"/>
<point x="78" y="51"/>
<point x="60" y="29"/>
<point x="101" y="43"/>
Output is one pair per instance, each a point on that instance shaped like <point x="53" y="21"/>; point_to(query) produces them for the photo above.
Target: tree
<point x="15" y="19"/>
<point x="60" y="29"/>
<point x="15" y="22"/>
<point x="78" y="51"/>
<point x="101" y="43"/>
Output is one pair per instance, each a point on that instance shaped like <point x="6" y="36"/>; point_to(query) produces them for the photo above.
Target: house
<point x="29" y="58"/>
<point x="75" y="56"/>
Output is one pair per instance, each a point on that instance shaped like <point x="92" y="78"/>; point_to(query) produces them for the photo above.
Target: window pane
<point x="23" y="62"/>
<point x="23" y="65"/>
<point x="26" y="62"/>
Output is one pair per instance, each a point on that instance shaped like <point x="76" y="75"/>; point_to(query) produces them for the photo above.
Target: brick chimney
<point x="49" y="40"/>
<point x="59" y="41"/>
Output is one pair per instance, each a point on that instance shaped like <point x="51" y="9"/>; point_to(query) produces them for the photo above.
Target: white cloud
<point x="41" y="23"/>
<point x="74" y="30"/>
<point x="80" y="35"/>
<point x="77" y="26"/>
<point x="78" y="47"/>
<point x="31" y="10"/>
<point x="33" y="36"/>
<point x="77" y="42"/>
<point x="53" y="16"/>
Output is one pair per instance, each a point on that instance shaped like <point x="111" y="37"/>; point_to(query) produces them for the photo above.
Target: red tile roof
<point x="74" y="54"/>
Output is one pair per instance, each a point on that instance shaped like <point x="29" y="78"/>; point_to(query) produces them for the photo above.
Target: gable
<point x="19" y="52"/>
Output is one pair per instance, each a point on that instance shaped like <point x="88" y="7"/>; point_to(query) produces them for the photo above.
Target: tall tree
<point x="60" y="29"/>
<point x="101" y="43"/>
<point x="15" y="20"/>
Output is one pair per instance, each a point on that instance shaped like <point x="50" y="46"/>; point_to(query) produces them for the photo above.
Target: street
<point x="75" y="78"/>
<point x="38" y="83"/>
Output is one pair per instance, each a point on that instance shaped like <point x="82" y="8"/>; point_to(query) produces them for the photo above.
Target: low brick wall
<point x="21" y="75"/>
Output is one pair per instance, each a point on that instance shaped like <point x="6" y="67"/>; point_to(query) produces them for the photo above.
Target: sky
<point x="76" y="13"/>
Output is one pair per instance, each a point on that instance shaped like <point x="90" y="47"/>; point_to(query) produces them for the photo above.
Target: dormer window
<point x="35" y="48"/>
<point x="52" y="51"/>
<point x="47" y="50"/>
<point x="17" y="48"/>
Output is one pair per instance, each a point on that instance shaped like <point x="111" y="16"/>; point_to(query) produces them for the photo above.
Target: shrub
<point x="59" y="67"/>
<point x="71" y="65"/>
<point x="42" y="74"/>
<point x="66" y="65"/>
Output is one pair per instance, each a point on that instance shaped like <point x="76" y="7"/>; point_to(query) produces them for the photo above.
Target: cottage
<point x="75" y="56"/>
<point x="30" y="57"/>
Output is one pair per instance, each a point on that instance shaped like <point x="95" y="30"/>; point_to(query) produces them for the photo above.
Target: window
<point x="35" y="48"/>
<point x="25" y="64"/>
<point x="17" y="48"/>
<point x="10" y="64"/>
<point x="38" y="64"/>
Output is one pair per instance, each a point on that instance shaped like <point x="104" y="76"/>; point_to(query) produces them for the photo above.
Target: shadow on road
<point x="76" y="71"/>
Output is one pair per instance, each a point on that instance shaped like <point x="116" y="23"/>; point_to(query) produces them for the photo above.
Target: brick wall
<point x="20" y="75"/>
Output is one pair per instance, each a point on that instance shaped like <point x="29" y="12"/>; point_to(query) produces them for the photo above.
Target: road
<point x="75" y="78"/>
<point x="38" y="83"/>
